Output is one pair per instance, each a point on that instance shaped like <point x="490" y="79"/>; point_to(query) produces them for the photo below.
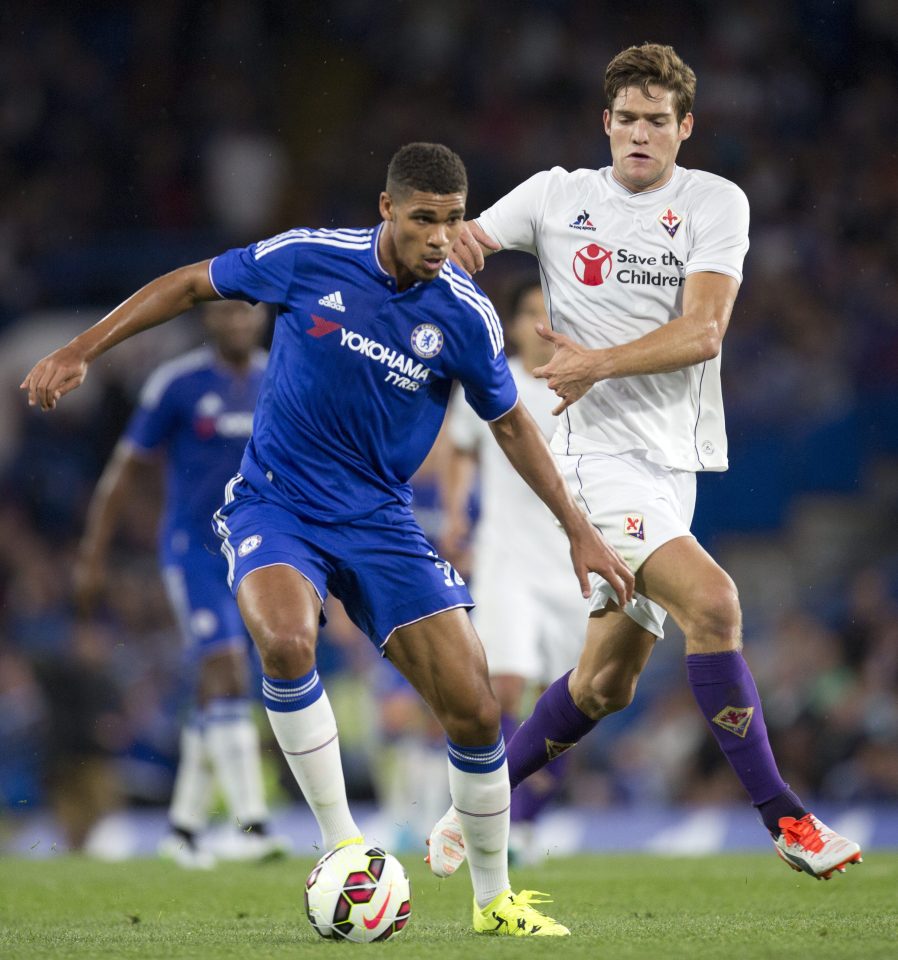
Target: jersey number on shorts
<point x="453" y="577"/>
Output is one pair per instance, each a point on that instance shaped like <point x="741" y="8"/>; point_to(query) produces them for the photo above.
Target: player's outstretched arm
<point x="691" y="338"/>
<point x="162" y="299"/>
<point x="472" y="247"/>
<point x="526" y="448"/>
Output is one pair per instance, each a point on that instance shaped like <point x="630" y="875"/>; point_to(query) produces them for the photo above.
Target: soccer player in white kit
<point x="529" y="619"/>
<point x="641" y="263"/>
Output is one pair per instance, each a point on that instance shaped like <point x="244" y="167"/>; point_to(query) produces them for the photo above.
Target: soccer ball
<point x="358" y="893"/>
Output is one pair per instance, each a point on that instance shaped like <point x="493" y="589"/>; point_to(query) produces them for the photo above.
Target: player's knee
<point x="286" y="652"/>
<point x="714" y="619"/>
<point x="605" y="693"/>
<point x="474" y="725"/>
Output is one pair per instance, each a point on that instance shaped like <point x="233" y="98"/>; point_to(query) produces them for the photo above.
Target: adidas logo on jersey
<point x="334" y="301"/>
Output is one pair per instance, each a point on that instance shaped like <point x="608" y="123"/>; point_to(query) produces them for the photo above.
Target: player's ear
<point x="606" y="119"/>
<point x="686" y="126"/>
<point x="386" y="205"/>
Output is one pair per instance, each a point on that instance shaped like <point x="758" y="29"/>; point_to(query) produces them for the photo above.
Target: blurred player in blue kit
<point x="195" y="413"/>
<point x="373" y="326"/>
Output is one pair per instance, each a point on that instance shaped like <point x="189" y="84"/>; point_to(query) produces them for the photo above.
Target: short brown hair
<point x="428" y="167"/>
<point x="647" y="65"/>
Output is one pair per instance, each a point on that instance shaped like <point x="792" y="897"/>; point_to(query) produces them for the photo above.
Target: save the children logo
<point x="592" y="264"/>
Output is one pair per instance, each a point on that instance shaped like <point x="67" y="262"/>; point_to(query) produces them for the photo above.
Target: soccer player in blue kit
<point x="373" y="326"/>
<point x="195" y="413"/>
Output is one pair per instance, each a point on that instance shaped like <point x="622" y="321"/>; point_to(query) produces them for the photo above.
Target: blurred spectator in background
<point x="86" y="729"/>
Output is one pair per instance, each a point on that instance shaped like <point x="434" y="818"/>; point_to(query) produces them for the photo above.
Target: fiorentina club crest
<point x="634" y="526"/>
<point x="555" y="749"/>
<point x="735" y="719"/>
<point x="670" y="221"/>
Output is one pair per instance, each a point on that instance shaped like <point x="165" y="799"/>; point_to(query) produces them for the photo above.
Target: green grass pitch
<point x="732" y="907"/>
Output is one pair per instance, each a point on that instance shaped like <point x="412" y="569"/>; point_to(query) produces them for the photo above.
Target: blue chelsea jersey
<point x="359" y="374"/>
<point x="199" y="411"/>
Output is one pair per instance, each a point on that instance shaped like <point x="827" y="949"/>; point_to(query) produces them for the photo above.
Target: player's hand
<point x="468" y="250"/>
<point x="591" y="553"/>
<point x="55" y="376"/>
<point x="570" y="372"/>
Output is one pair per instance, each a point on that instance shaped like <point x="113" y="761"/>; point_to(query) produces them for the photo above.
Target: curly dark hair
<point x="652" y="63"/>
<point x="428" y="167"/>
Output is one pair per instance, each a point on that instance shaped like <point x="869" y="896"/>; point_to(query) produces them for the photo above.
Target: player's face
<point x="235" y="327"/>
<point x="645" y="137"/>
<point x="420" y="231"/>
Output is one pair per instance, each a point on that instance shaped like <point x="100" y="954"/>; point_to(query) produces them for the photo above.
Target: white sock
<point x="232" y="741"/>
<point x="304" y="725"/>
<point x="192" y="790"/>
<point x="482" y="800"/>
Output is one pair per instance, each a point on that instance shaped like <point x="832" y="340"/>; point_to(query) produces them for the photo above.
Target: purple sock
<point x="726" y="694"/>
<point x="508" y="725"/>
<point x="555" y="725"/>
<point x="529" y="799"/>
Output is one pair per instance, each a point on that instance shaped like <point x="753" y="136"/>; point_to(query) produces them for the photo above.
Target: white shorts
<point x="531" y="627"/>
<point x="637" y="506"/>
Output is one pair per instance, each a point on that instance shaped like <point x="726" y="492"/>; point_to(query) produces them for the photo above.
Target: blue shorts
<point x="381" y="567"/>
<point x="204" y="608"/>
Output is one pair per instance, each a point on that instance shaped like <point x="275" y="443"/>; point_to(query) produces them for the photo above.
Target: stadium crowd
<point x="136" y="137"/>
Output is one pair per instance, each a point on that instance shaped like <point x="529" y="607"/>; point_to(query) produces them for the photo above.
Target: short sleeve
<point x="720" y="233"/>
<point x="514" y="220"/>
<point x="466" y="429"/>
<point x="263" y="271"/>
<point x="152" y="423"/>
<point x="478" y="359"/>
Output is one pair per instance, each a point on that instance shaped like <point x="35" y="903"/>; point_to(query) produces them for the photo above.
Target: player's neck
<point x="386" y="254"/>
<point x="662" y="181"/>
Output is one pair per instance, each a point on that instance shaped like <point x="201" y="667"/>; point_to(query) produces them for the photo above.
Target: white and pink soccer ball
<point x="358" y="893"/>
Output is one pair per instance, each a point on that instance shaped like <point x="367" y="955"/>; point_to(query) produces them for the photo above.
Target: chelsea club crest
<point x="427" y="340"/>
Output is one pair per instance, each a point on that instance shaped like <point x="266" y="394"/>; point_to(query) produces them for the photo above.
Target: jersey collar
<point x="379" y="268"/>
<point x="620" y="189"/>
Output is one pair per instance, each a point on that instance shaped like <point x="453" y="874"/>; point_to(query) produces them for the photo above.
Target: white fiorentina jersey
<point x="515" y="528"/>
<point x="613" y="265"/>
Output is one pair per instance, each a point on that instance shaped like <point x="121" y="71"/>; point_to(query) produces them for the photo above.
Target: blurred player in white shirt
<point x="641" y="263"/>
<point x="529" y="616"/>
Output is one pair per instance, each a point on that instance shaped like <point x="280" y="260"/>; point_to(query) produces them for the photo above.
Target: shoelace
<point x="804" y="833"/>
<point x="526" y="899"/>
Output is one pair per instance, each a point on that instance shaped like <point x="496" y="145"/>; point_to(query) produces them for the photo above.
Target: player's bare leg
<point x="702" y="599"/>
<point x="443" y="659"/>
<point x="280" y="609"/>
<point x="614" y="654"/>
